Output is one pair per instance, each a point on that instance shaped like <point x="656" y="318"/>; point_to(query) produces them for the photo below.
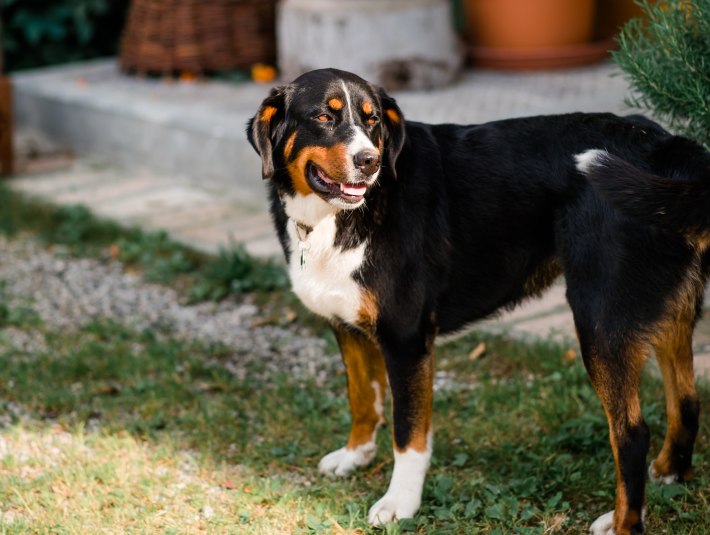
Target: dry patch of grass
<point x="77" y="482"/>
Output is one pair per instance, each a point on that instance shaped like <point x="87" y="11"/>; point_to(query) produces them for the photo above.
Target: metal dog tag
<point x="303" y="246"/>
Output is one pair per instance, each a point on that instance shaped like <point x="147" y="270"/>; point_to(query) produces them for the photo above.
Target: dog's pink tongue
<point x="356" y="191"/>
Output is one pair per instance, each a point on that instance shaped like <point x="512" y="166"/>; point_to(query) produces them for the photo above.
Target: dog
<point x="397" y="232"/>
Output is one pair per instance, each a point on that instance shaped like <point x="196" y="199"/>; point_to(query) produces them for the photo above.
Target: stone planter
<point x="393" y="43"/>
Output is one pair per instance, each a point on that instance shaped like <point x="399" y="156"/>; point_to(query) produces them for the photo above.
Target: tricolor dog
<point x="397" y="232"/>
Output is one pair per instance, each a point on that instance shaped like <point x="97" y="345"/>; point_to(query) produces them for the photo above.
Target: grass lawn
<point x="110" y="430"/>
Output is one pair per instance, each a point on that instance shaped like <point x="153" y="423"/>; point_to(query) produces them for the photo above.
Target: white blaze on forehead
<point x="348" y="101"/>
<point x="359" y="140"/>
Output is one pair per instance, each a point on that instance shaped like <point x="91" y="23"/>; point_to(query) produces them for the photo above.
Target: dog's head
<point x="329" y="133"/>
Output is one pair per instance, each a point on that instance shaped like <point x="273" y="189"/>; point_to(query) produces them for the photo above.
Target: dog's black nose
<point x="368" y="161"/>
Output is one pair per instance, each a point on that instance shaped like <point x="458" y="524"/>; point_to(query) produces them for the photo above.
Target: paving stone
<point x="53" y="182"/>
<point x="104" y="192"/>
<point x="187" y="217"/>
<point x="154" y="199"/>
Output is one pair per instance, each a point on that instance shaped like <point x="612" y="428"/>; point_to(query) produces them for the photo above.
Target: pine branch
<point x="666" y="56"/>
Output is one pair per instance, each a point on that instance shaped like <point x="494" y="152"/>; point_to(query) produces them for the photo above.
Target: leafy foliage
<point x="666" y="55"/>
<point x="47" y="32"/>
<point x="234" y="271"/>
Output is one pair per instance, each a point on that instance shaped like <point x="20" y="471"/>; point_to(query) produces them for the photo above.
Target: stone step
<point x="192" y="131"/>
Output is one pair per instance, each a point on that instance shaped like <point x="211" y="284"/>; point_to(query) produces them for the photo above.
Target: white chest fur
<point x="324" y="281"/>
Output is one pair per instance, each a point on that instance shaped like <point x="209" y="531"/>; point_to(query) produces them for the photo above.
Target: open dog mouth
<point x="322" y="183"/>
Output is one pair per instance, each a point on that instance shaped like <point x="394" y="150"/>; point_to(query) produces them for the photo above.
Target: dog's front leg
<point x="367" y="384"/>
<point x="410" y="368"/>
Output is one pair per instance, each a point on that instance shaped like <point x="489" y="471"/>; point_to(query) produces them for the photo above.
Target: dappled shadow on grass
<point x="522" y="451"/>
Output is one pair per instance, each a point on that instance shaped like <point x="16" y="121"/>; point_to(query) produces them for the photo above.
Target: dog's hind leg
<point x="615" y="369"/>
<point x="674" y="353"/>
<point x="367" y="384"/>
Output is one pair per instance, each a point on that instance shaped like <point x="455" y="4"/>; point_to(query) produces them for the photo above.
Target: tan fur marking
<point x="674" y="353"/>
<point x="699" y="240"/>
<point x="267" y="114"/>
<point x="365" y="367"/>
<point x="623" y="524"/>
<point x="331" y="159"/>
<point x="288" y="148"/>
<point x="624" y="517"/>
<point x="612" y="400"/>
<point x="367" y="108"/>
<point x="393" y="115"/>
<point x="611" y="396"/>
<point x="335" y="104"/>
<point x="422" y="424"/>
<point x="368" y="311"/>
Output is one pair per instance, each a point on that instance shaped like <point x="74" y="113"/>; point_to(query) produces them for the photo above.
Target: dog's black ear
<point x="392" y="130"/>
<point x="263" y="128"/>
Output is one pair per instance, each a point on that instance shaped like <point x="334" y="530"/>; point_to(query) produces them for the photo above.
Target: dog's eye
<point x="324" y="118"/>
<point x="373" y="120"/>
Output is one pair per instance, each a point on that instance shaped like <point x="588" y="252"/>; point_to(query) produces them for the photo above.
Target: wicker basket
<point x="171" y="36"/>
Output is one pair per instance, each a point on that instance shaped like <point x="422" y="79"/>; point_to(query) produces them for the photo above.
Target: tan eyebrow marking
<point x="335" y="104"/>
<point x="367" y="108"/>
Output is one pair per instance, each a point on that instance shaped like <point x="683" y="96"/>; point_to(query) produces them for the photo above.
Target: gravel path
<point x="67" y="293"/>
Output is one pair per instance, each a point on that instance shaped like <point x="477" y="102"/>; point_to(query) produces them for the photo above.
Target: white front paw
<point x="392" y="507"/>
<point x="604" y="525"/>
<point x="343" y="461"/>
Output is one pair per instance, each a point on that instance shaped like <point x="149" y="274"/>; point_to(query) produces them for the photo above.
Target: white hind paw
<point x="604" y="525"/>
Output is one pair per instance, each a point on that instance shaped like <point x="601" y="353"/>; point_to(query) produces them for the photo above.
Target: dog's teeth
<point x="355" y="191"/>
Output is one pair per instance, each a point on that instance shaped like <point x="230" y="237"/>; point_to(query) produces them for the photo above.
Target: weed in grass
<point x="161" y="259"/>
<point x="75" y="226"/>
<point x="234" y="271"/>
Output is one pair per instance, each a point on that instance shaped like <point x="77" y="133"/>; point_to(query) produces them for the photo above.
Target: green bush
<point x="666" y="55"/>
<point x="48" y="32"/>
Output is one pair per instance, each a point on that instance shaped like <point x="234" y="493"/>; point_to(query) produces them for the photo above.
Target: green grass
<point x="114" y="430"/>
<point x="135" y="431"/>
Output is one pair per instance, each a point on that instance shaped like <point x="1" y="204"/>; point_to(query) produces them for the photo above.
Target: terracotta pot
<point x="516" y="24"/>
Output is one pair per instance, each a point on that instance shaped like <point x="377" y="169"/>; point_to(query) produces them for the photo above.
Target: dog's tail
<point x="677" y="200"/>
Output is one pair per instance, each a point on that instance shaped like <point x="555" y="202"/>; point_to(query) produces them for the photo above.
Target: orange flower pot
<point x="529" y="23"/>
<point x="532" y="34"/>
